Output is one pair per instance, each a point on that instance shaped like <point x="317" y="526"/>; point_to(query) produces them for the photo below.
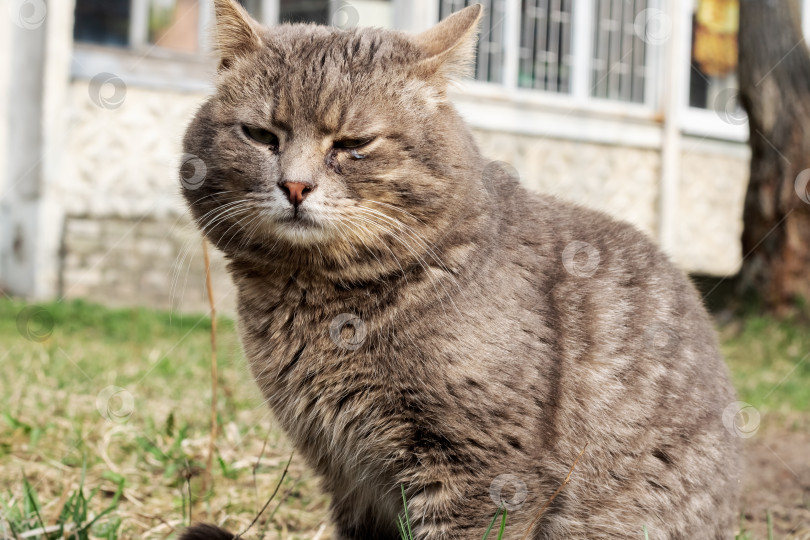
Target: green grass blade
<point x="770" y="524"/>
<point x="503" y="524"/>
<point x="492" y="523"/>
<point x="31" y="499"/>
<point x="646" y="535"/>
<point x="407" y="517"/>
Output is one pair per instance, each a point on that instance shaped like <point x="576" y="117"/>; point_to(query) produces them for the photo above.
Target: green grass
<point x="770" y="363"/>
<point x="104" y="423"/>
<point x="61" y="433"/>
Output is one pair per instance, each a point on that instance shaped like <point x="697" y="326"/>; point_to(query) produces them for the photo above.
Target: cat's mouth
<point x="300" y="227"/>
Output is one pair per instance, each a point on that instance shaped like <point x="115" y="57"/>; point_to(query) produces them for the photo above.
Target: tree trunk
<point x="774" y="73"/>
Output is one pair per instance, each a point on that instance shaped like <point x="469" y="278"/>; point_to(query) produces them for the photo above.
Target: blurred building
<point x="621" y="105"/>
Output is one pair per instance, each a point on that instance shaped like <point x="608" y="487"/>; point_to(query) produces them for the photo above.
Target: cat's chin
<point x="301" y="232"/>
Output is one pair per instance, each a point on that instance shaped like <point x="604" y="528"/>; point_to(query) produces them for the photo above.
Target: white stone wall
<point x="127" y="238"/>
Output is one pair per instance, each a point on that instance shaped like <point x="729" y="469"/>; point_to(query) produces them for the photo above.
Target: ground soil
<point x="777" y="479"/>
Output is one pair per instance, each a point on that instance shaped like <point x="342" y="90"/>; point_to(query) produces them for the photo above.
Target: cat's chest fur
<point x="362" y="379"/>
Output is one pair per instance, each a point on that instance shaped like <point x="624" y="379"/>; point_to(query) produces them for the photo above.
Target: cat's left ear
<point x="449" y="47"/>
<point x="236" y="33"/>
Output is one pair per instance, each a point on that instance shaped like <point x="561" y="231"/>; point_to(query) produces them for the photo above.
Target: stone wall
<point x="127" y="236"/>
<point x="156" y="263"/>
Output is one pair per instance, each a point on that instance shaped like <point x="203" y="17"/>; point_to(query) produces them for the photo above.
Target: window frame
<point x="149" y="65"/>
<point x="158" y="67"/>
<point x="581" y="50"/>
<point x="698" y="121"/>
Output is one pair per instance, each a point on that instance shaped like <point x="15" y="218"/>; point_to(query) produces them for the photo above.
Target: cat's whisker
<point x="382" y="267"/>
<point x="396" y="208"/>
<point x="416" y="237"/>
<point x="187" y="247"/>
<point x="428" y="274"/>
<point x="419" y="241"/>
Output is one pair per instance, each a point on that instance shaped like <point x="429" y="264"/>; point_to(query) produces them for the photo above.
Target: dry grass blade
<point x="554" y="495"/>
<point x="273" y="496"/>
<point x="209" y="462"/>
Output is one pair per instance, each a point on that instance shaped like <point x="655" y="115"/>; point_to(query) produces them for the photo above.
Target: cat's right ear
<point x="236" y="33"/>
<point x="449" y="47"/>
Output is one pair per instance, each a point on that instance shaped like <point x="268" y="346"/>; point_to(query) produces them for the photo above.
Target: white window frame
<point x="580" y="95"/>
<point x="697" y="120"/>
<point x="146" y="64"/>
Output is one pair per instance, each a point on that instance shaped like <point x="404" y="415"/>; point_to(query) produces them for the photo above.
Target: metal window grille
<point x="545" y="45"/>
<point x="489" y="65"/>
<point x="618" y="62"/>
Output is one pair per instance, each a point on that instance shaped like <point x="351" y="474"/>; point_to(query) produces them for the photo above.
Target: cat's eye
<point x="351" y="144"/>
<point x="261" y="135"/>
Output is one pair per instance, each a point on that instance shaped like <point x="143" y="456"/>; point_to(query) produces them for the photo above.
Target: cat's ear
<point x="449" y="47"/>
<point x="236" y="33"/>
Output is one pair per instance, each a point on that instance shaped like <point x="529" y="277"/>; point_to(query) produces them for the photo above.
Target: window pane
<point x="490" y="59"/>
<point x="254" y="7"/>
<point x="102" y="21"/>
<point x="293" y="11"/>
<point x="619" y="52"/>
<point x="545" y="45"/>
<point x="175" y="24"/>
<point x="713" y="80"/>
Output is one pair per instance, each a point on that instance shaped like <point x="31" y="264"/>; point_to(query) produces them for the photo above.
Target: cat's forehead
<point x="324" y="76"/>
<point x="314" y="49"/>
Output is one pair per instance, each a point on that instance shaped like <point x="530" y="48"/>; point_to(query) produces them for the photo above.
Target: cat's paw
<point x="205" y="531"/>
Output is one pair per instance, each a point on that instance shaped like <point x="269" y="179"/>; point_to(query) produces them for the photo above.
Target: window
<point x="304" y="11"/>
<point x="102" y="21"/>
<point x="606" y="38"/>
<point x="619" y="53"/>
<point x="545" y="45"/>
<point x="713" y="57"/>
<point x="176" y="25"/>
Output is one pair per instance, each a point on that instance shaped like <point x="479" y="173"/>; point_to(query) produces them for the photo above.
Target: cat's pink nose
<point x="296" y="191"/>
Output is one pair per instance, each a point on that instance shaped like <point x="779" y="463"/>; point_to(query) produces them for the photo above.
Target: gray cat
<point x="416" y="318"/>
